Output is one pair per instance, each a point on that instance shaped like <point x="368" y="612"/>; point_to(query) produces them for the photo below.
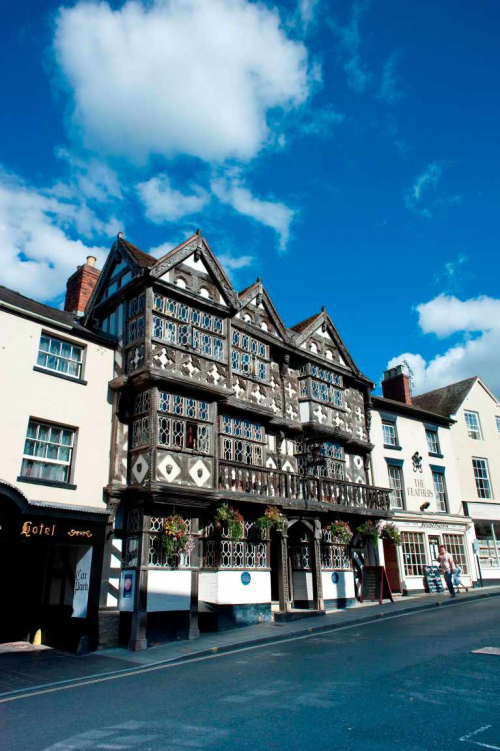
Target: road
<point x="407" y="683"/>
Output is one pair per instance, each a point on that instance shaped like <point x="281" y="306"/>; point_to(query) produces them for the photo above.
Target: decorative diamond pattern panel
<point x="168" y="469"/>
<point x="140" y="468"/>
<point x="200" y="473"/>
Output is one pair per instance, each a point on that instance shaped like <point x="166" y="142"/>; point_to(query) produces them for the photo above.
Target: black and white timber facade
<point x="217" y="402"/>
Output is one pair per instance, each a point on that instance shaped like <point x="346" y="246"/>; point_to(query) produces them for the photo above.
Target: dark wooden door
<point x="391" y="565"/>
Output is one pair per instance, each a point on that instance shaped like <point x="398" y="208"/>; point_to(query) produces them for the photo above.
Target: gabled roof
<point x="251" y="292"/>
<point x="121" y="248"/>
<point x="303" y="330"/>
<point x="145" y="260"/>
<point x="197" y="243"/>
<point x="303" y="325"/>
<point x="381" y="403"/>
<point x="15" y="301"/>
<point x="447" y="400"/>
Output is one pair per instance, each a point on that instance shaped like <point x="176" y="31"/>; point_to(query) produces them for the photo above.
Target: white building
<point x="55" y="434"/>
<point x="475" y="437"/>
<point x="413" y="455"/>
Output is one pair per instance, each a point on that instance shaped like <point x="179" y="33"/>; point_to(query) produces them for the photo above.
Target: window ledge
<point x="59" y="375"/>
<point x="436" y="456"/>
<point x="393" y="448"/>
<point x="48" y="483"/>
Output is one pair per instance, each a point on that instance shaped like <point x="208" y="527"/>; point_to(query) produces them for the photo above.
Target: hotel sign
<point x="418" y="490"/>
<point x="38" y="529"/>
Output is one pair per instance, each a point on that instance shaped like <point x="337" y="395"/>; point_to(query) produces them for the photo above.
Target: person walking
<point x="448" y="568"/>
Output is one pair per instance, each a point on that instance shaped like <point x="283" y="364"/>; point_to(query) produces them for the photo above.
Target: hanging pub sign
<point x="375" y="584"/>
<point x="82" y="584"/>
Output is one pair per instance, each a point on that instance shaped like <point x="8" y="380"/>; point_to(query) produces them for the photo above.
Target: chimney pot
<point x="91" y="260"/>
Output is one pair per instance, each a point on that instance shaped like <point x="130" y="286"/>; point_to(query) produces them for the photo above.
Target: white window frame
<point x="59" y="357"/>
<point x="440" y="492"/>
<point x="473" y="431"/>
<point x="35" y="458"/>
<point x="388" y="424"/>
<point x="481" y="485"/>
<point x="397" y="494"/>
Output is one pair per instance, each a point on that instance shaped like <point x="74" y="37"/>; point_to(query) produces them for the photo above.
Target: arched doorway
<point x="301" y="565"/>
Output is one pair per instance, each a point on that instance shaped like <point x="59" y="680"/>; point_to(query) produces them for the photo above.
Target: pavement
<point x="398" y="683"/>
<point x="27" y="670"/>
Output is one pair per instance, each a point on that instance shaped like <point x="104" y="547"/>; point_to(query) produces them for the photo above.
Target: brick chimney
<point x="396" y="385"/>
<point x="80" y="286"/>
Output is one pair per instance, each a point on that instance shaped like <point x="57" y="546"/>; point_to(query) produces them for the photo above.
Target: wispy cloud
<point x="307" y="13"/>
<point x="389" y="90"/>
<point x="230" y="189"/>
<point x="349" y="39"/>
<point x="425" y="181"/>
<point x="450" y="277"/>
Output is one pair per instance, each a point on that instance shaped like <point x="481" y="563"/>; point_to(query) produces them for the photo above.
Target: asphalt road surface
<point x="407" y="683"/>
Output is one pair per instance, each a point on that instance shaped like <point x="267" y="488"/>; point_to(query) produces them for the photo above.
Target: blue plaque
<point x="246" y="578"/>
<point x="335" y="577"/>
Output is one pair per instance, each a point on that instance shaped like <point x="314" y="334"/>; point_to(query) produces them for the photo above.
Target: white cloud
<point x="389" y="89"/>
<point x="477" y="322"/>
<point x="194" y="77"/>
<point x="230" y="189"/>
<point x="234" y="263"/>
<point x="165" y="204"/>
<point x="349" y="38"/>
<point x="38" y="235"/>
<point x="307" y="12"/>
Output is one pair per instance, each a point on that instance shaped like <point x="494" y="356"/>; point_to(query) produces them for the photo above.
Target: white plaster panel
<point x="226" y="587"/>
<point x="343" y="588"/>
<point x="168" y="590"/>
<point x="305" y="411"/>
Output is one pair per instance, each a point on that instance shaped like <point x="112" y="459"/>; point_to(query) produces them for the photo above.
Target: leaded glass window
<point x="432" y="441"/>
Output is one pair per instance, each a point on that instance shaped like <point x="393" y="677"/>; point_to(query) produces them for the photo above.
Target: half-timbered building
<point x="218" y="405"/>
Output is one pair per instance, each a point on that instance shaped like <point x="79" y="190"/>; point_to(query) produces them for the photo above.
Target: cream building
<point x="55" y="437"/>
<point x="475" y="435"/>
<point x="413" y="455"/>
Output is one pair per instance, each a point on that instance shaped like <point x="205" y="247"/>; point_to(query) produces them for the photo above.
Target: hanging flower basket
<point x="231" y="517"/>
<point x="392" y="533"/>
<point x="370" y="532"/>
<point x="272" y="519"/>
<point x="175" y="538"/>
<point x="341" y="532"/>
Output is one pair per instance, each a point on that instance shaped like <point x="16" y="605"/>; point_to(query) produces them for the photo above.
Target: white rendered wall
<point x="412" y="438"/>
<point x="226" y="587"/>
<point x="478" y="400"/>
<point x="27" y="393"/>
<point x="344" y="588"/>
<point x="168" y="590"/>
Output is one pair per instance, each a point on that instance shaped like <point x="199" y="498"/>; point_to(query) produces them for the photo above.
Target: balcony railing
<point x="272" y="483"/>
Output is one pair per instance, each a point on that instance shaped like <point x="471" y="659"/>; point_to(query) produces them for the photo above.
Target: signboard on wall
<point x="82" y="583"/>
<point x="127" y="591"/>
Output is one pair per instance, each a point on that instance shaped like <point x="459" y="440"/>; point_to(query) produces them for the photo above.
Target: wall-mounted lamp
<point x="425" y="506"/>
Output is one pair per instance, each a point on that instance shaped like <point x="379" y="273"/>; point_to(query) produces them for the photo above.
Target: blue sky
<point x="346" y="152"/>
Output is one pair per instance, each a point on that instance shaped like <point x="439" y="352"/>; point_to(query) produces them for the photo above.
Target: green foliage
<point x="232" y="518"/>
<point x="392" y="533"/>
<point x="340" y="532"/>
<point x="175" y="537"/>
<point x="370" y="531"/>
